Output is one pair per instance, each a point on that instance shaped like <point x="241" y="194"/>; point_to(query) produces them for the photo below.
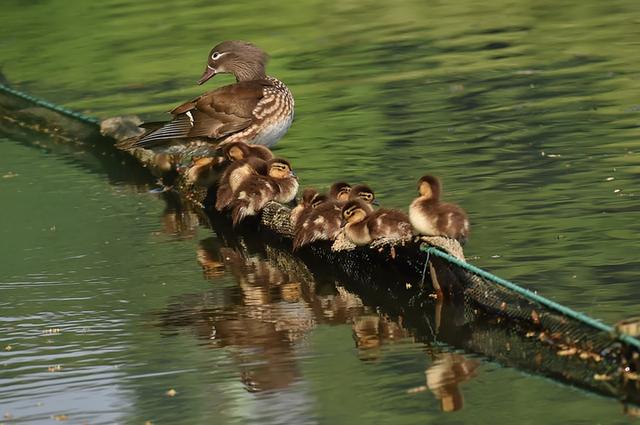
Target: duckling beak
<point x="375" y="202"/>
<point x="292" y="174"/>
<point x="207" y="74"/>
<point x="343" y="223"/>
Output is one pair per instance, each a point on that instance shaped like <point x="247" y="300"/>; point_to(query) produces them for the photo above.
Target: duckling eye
<point x="215" y="55"/>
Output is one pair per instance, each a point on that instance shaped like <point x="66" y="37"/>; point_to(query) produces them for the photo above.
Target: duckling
<point x="431" y="217"/>
<point x="339" y="191"/>
<point x="325" y="221"/>
<point x="235" y="151"/>
<point x="280" y="185"/>
<point x="363" y="226"/>
<point x="310" y="199"/>
<point x="364" y="192"/>
<point x="246" y="160"/>
<point x="202" y="171"/>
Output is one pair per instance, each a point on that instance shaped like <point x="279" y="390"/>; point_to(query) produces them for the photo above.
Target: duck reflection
<point x="444" y="377"/>
<point x="371" y="331"/>
<point x="179" y="219"/>
<point x="263" y="319"/>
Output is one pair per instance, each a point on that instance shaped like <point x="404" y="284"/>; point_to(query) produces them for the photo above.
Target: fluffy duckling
<point x="202" y="171"/>
<point x="325" y="221"/>
<point x="310" y="199"/>
<point x="431" y="217"/>
<point x="246" y="160"/>
<point x="280" y="184"/>
<point x="340" y="191"/>
<point x="235" y="151"/>
<point x="363" y="226"/>
<point x="365" y="193"/>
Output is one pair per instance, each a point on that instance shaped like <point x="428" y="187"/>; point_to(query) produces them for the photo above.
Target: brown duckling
<point x="339" y="191"/>
<point x="325" y="221"/>
<point x="431" y="217"/>
<point x="365" y="193"/>
<point x="363" y="226"/>
<point x="202" y="171"/>
<point x="310" y="199"/>
<point x="235" y="151"/>
<point x="246" y="160"/>
<point x="280" y="185"/>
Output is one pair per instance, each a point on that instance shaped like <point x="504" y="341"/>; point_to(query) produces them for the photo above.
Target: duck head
<point x="318" y="199"/>
<point x="340" y="191"/>
<point x="364" y="192"/>
<point x="429" y="187"/>
<point x="280" y="169"/>
<point x="354" y="211"/>
<point x="240" y="58"/>
<point x="308" y="195"/>
<point x="236" y="151"/>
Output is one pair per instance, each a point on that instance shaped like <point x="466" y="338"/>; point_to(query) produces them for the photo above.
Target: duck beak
<point x="292" y="174"/>
<point x="207" y="74"/>
<point x="343" y="223"/>
<point x="375" y="202"/>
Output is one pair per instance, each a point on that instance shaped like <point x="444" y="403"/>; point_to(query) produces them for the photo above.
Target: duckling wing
<point x="215" y="114"/>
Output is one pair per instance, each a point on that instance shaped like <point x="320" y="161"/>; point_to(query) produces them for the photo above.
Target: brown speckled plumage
<point x="256" y="109"/>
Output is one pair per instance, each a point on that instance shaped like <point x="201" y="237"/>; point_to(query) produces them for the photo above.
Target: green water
<point x="529" y="111"/>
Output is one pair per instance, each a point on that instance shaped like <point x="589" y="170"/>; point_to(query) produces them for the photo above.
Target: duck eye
<point x="215" y="55"/>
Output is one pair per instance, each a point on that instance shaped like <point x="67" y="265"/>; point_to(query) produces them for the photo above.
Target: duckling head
<point x="235" y="151"/>
<point x="340" y="191"/>
<point x="244" y="60"/>
<point x="364" y="192"/>
<point x="429" y="187"/>
<point x="318" y="199"/>
<point x="308" y="195"/>
<point x="354" y="211"/>
<point x="280" y="169"/>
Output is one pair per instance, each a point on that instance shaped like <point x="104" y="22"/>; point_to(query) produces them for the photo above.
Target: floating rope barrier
<point x="48" y="105"/>
<point x="532" y="296"/>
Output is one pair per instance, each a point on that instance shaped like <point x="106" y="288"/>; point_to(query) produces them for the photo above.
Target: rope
<point x="49" y="105"/>
<point x="628" y="339"/>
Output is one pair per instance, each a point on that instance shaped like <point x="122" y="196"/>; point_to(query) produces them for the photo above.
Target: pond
<point x="114" y="308"/>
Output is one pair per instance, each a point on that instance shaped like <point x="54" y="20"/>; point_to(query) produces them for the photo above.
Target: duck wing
<point x="214" y="115"/>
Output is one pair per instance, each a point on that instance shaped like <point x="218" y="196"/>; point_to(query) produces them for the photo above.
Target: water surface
<point x="529" y="113"/>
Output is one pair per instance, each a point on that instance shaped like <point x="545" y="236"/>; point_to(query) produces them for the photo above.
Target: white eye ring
<point x="215" y="55"/>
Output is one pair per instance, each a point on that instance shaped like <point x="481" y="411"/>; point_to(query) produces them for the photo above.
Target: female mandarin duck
<point x="257" y="109"/>
<point x="280" y="185"/>
<point x="431" y="217"/>
<point x="246" y="160"/>
<point x="310" y="200"/>
<point x="364" y="226"/>
<point x="325" y="221"/>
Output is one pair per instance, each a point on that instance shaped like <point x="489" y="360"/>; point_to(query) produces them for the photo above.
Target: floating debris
<point x="610" y="179"/>
<point x="171" y="393"/>
<point x="10" y="175"/>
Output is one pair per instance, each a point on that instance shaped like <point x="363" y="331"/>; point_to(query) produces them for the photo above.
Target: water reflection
<point x="278" y="298"/>
<point x="444" y="377"/>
